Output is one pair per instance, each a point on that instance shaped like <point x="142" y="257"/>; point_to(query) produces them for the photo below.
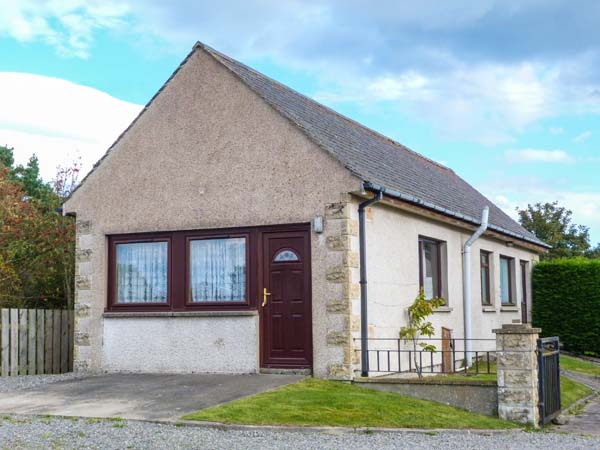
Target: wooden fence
<point x="35" y="341"/>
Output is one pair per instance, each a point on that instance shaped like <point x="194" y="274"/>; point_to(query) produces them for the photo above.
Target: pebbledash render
<point x="220" y="234"/>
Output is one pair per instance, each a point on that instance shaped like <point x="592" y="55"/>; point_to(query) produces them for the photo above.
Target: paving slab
<point x="588" y="420"/>
<point x="137" y="396"/>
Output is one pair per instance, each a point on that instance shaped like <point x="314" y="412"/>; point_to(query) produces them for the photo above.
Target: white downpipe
<point x="467" y="285"/>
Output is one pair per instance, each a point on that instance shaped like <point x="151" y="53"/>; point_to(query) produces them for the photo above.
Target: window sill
<point x="509" y="308"/>
<point x="489" y="308"/>
<point x="129" y="314"/>
<point x="443" y="309"/>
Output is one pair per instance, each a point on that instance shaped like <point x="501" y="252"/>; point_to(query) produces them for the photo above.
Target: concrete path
<point x="589" y="380"/>
<point x="137" y="396"/>
<point x="588" y="421"/>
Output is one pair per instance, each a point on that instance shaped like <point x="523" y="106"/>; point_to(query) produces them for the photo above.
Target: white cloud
<point x="582" y="137"/>
<point x="67" y="25"/>
<point x="556" y="130"/>
<point x="585" y="207"/>
<point x="526" y="155"/>
<point x="507" y="205"/>
<point x="445" y="63"/>
<point x="484" y="103"/>
<point x="515" y="192"/>
<point x="58" y="120"/>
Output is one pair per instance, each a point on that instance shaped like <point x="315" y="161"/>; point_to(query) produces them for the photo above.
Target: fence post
<point x="14" y="342"/>
<point x="518" y="394"/>
<point x="35" y="341"/>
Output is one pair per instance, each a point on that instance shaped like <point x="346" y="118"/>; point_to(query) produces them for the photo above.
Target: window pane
<point x="218" y="270"/>
<point x="484" y="259"/>
<point x="505" y="281"/>
<point x="430" y="269"/>
<point x="485" y="279"/>
<point x="484" y="286"/>
<point x="142" y="272"/>
<point x="285" y="256"/>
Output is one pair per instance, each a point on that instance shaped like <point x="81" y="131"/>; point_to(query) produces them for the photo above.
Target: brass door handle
<point x="265" y="295"/>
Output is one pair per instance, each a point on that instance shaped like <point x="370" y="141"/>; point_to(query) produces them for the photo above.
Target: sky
<point x="506" y="93"/>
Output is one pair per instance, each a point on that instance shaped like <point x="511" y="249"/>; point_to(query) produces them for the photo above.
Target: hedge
<point x="566" y="303"/>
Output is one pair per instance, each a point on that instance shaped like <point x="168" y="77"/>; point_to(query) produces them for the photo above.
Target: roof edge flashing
<point x="372" y="187"/>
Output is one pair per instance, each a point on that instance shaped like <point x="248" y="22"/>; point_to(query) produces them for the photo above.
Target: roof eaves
<point x="428" y="205"/>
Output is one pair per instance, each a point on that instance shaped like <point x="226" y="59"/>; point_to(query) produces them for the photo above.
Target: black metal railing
<point x="548" y="351"/>
<point x="398" y="356"/>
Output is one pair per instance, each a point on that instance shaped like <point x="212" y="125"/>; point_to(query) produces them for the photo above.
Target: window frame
<point x="438" y="245"/>
<point x="178" y="267"/>
<point x="487" y="266"/>
<point x="524" y="280"/>
<point x="511" y="291"/>
<point x="113" y="303"/>
<point x="188" y="266"/>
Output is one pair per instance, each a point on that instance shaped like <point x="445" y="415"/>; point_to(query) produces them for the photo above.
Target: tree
<point x="552" y="224"/>
<point x="593" y="253"/>
<point x="418" y="326"/>
<point x="6" y="156"/>
<point x="37" y="245"/>
<point x="28" y="175"/>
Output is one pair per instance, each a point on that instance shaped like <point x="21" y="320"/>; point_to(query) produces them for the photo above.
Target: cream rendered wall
<point x="393" y="275"/>
<point x="181" y="344"/>
<point x="207" y="153"/>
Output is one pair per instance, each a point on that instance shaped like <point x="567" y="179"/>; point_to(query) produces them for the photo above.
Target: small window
<point x="142" y="272"/>
<point x="217" y="270"/>
<point x="286" y="256"/>
<point x="430" y="267"/>
<point x="486" y="298"/>
<point x="506" y="280"/>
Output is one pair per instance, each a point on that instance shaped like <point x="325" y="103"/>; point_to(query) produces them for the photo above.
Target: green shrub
<point x="566" y="303"/>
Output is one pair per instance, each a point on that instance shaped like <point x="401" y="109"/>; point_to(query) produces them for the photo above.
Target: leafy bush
<point x="566" y="302"/>
<point x="37" y="245"/>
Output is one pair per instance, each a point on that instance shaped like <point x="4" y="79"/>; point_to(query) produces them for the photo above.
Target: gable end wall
<point x="209" y="153"/>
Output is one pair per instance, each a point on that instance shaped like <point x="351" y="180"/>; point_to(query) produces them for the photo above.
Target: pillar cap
<point x="517" y="328"/>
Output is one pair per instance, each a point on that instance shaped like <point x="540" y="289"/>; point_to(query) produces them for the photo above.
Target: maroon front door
<point x="286" y="336"/>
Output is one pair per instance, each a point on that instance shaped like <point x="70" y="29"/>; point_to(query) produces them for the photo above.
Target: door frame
<point x="306" y="228"/>
<point x="524" y="265"/>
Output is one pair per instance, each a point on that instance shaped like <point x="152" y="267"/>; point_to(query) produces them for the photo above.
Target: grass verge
<point x="571" y="391"/>
<point x="315" y="402"/>
<point x="479" y="371"/>
<point x="579" y="365"/>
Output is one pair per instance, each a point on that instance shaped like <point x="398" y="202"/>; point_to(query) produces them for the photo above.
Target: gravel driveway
<point x="11" y="384"/>
<point x="41" y="433"/>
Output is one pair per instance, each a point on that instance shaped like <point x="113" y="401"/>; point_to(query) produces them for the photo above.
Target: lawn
<point x="579" y="365"/>
<point x="571" y="391"/>
<point x="315" y="402"/>
<point x="478" y="371"/>
<point x="566" y="362"/>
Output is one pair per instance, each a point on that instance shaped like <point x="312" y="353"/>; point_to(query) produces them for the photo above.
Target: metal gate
<point x="548" y="350"/>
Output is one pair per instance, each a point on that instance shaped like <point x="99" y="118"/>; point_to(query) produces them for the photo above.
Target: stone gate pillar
<point x="518" y="394"/>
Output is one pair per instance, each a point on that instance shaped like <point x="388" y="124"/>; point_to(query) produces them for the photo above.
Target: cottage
<point x="221" y="233"/>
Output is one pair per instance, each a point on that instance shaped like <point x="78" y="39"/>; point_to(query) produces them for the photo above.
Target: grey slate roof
<point x="376" y="159"/>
